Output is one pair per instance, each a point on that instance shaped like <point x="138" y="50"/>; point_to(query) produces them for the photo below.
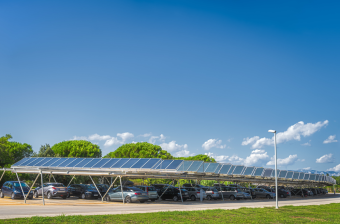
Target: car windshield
<point x="88" y="187"/>
<point x="16" y="184"/>
<point x="151" y="188"/>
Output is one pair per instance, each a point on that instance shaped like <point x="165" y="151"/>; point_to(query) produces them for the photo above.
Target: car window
<point x="59" y="185"/>
<point x="151" y="188"/>
<point x="18" y="185"/>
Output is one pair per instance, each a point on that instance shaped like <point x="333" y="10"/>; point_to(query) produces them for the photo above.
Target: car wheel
<point x="12" y="196"/>
<point x="36" y="194"/>
<point x="141" y="201"/>
<point x="64" y="197"/>
<point x="268" y="196"/>
<point x="83" y="196"/>
<point x="192" y="198"/>
<point x="49" y="195"/>
<point x="175" y="198"/>
<point x="128" y="199"/>
<point x="163" y="198"/>
<point x="209" y="197"/>
<point x="1" y="195"/>
<point x="232" y="197"/>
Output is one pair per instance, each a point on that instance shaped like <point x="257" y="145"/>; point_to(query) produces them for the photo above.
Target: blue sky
<point x="192" y="76"/>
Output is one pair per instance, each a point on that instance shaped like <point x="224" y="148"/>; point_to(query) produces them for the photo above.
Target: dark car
<point x="174" y="194"/>
<point x="12" y="189"/>
<point x="281" y="192"/>
<point x="51" y="190"/>
<point x="301" y="192"/>
<point x="249" y="191"/>
<point x="102" y="188"/>
<point x="159" y="187"/>
<point x="83" y="191"/>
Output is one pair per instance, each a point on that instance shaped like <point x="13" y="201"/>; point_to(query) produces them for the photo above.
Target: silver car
<point x="130" y="194"/>
<point x="151" y="190"/>
<point x="230" y="192"/>
<point x="212" y="193"/>
<point x="52" y="190"/>
<point x="262" y="193"/>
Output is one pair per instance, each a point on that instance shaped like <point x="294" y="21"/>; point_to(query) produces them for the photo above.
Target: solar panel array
<point x="159" y="164"/>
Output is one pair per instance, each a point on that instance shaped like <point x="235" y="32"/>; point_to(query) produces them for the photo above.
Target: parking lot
<point x="73" y="206"/>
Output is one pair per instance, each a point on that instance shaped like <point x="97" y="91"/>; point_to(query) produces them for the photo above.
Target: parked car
<point x="192" y="185"/>
<point x="263" y="193"/>
<point x="212" y="193"/>
<point x="102" y="188"/>
<point x="151" y="190"/>
<point x="52" y="190"/>
<point x="282" y="193"/>
<point x="12" y="189"/>
<point x="195" y="193"/>
<point x="174" y="194"/>
<point x="250" y="191"/>
<point x="83" y="191"/>
<point x="130" y="194"/>
<point x="301" y="192"/>
<point x="159" y="187"/>
<point x="267" y="188"/>
<point x="230" y="192"/>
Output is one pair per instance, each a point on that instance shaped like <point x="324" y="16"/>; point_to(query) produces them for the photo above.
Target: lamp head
<point x="272" y="131"/>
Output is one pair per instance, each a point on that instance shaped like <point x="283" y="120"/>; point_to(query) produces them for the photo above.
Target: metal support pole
<point x="49" y="178"/>
<point x="109" y="188"/>
<point x="166" y="190"/>
<point x="42" y="187"/>
<point x="32" y="186"/>
<point x="96" y="187"/>
<point x="180" y="191"/>
<point x="251" y="196"/>
<point x="334" y="189"/>
<point x="2" y="175"/>
<point x="219" y="183"/>
<point x="121" y="188"/>
<point x="276" y="190"/>
<point x="53" y="178"/>
<point x="71" y="181"/>
<point x="22" y="190"/>
<point x="302" y="192"/>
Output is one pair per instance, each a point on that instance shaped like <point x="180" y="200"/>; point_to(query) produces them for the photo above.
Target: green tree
<point x="12" y="152"/>
<point x="45" y="151"/>
<point x="199" y="157"/>
<point x="139" y="150"/>
<point x="77" y="148"/>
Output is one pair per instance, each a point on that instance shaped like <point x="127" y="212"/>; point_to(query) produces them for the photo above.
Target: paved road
<point x="59" y="207"/>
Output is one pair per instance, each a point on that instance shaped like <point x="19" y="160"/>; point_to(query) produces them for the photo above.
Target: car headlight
<point x="17" y="191"/>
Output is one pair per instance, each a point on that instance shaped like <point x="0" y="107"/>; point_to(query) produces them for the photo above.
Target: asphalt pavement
<point x="54" y="207"/>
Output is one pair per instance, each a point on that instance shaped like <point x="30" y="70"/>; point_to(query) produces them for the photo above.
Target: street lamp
<point x="276" y="195"/>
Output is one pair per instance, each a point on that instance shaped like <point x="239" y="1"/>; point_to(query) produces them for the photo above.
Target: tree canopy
<point x="139" y="150"/>
<point x="199" y="157"/>
<point x="12" y="152"/>
<point x="45" y="151"/>
<point x="77" y="148"/>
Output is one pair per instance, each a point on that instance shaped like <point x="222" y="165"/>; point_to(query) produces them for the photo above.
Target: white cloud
<point x="294" y="132"/>
<point x="115" y="140"/>
<point x="99" y="137"/>
<point x="290" y="160"/>
<point x="307" y="168"/>
<point x="328" y="158"/>
<point x="162" y="137"/>
<point x="112" y="141"/>
<point x="184" y="153"/>
<point x="125" y="136"/>
<point x="172" y="146"/>
<point x="336" y="168"/>
<point x="153" y="139"/>
<point x="330" y="139"/>
<point x="220" y="159"/>
<point x="79" y="138"/>
<point x="213" y="143"/>
<point x="257" y="158"/>
<point x="307" y="143"/>
<point x="146" y="135"/>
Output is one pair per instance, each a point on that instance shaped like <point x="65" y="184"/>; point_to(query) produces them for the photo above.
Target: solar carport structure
<point x="143" y="168"/>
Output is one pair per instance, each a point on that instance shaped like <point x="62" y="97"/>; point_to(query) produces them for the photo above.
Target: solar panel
<point x="278" y="173"/>
<point x="140" y="163"/>
<point x="267" y="172"/>
<point x="296" y="175"/>
<point x="249" y="171"/>
<point x="231" y="170"/>
<point x="312" y="177"/>
<point x="218" y="168"/>
<point x="211" y="168"/>
<point x="238" y="170"/>
<point x="185" y="166"/>
<point x="195" y="165"/>
<point x="306" y="176"/>
<point x="50" y="162"/>
<point x="225" y="168"/>
<point x="201" y="169"/>
<point x="317" y="178"/>
<point x="28" y="162"/>
<point x="64" y="164"/>
<point x="301" y="176"/>
<point x="105" y="163"/>
<point x="92" y="163"/>
<point x="21" y="161"/>
<point x="289" y="175"/>
<point x="130" y="163"/>
<point x="258" y="171"/>
<point x="151" y="163"/>
<point x="283" y="174"/>
<point x="58" y="162"/>
<point x="120" y="163"/>
<point x="174" y="164"/>
<point x="74" y="162"/>
<point x="41" y="162"/>
<point x="84" y="162"/>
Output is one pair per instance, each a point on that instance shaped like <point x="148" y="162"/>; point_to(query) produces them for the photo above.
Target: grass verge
<point x="288" y="214"/>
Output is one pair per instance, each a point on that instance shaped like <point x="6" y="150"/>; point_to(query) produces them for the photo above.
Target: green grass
<point x="288" y="214"/>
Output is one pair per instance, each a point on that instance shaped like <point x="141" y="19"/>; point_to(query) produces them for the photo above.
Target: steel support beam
<point x="109" y="189"/>
<point x="32" y="186"/>
<point x="96" y="187"/>
<point x="121" y="187"/>
<point x="71" y="181"/>
<point x="42" y="187"/>
<point x="22" y="190"/>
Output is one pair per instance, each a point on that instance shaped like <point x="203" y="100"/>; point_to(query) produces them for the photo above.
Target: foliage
<point x="77" y="148"/>
<point x="286" y="214"/>
<point x="199" y="157"/>
<point x="45" y="151"/>
<point x="12" y="152"/>
<point x="139" y="150"/>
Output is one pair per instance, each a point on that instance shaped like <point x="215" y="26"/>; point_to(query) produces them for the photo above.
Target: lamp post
<point x="276" y="195"/>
